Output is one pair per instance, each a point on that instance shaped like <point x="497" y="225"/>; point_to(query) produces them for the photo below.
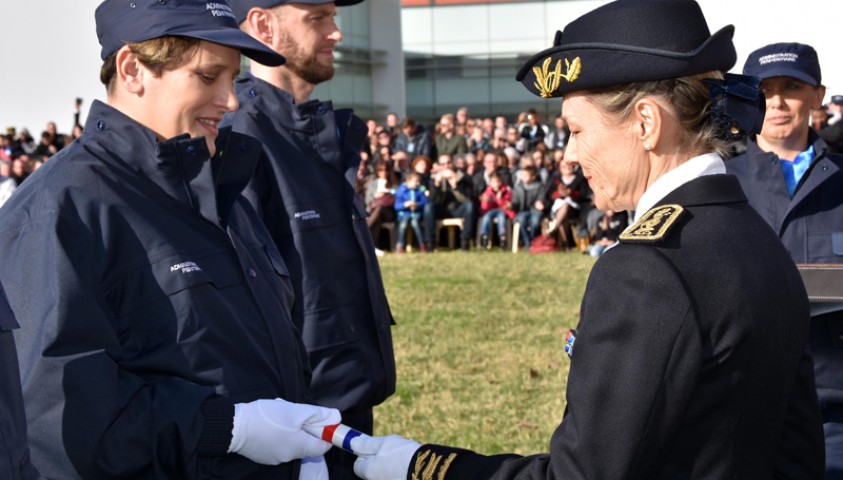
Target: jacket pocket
<point x="329" y="327"/>
<point x="837" y="243"/>
<point x="277" y="266"/>
<point x="311" y="215"/>
<point x="835" y="330"/>
<point x="169" y="275"/>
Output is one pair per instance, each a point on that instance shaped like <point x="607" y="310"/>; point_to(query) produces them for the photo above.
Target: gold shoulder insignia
<point x="429" y="465"/>
<point x="653" y="226"/>
<point x="548" y="82"/>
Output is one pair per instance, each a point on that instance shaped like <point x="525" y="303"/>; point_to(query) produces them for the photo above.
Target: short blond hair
<point x="158" y="54"/>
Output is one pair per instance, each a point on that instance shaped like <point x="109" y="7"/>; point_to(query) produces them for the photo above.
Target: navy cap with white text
<point x="129" y="21"/>
<point x="794" y="60"/>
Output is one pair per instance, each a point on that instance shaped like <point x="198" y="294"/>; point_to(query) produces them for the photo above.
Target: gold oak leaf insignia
<point x="573" y="69"/>
<point x="548" y="82"/>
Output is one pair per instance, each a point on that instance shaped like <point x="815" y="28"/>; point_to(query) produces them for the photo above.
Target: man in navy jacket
<point x="305" y="194"/>
<point x="796" y="184"/>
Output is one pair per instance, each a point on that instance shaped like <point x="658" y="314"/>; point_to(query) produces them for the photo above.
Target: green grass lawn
<point x="479" y="346"/>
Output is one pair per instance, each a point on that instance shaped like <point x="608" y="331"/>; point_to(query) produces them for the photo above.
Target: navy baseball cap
<point x="793" y="60"/>
<point x="837" y="99"/>
<point x="123" y="21"/>
<point x="241" y="7"/>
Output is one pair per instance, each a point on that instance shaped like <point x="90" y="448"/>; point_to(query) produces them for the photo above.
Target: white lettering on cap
<point x="219" y="10"/>
<point x="778" y="57"/>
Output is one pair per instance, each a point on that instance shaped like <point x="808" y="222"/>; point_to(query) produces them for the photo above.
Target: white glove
<point x="383" y="458"/>
<point x="269" y="431"/>
<point x="313" y="468"/>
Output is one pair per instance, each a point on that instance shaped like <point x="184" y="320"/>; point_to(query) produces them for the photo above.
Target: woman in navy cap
<point x="156" y="339"/>
<point x="688" y="359"/>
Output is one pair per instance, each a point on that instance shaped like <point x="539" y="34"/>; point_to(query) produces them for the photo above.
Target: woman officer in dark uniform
<point x="689" y="359"/>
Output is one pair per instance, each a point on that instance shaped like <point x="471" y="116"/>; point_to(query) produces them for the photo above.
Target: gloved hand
<point x="383" y="458"/>
<point x="269" y="431"/>
<point x="313" y="468"/>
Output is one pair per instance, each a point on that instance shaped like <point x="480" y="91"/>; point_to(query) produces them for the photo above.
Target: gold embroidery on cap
<point x="654" y="225"/>
<point x="427" y="466"/>
<point x="548" y="82"/>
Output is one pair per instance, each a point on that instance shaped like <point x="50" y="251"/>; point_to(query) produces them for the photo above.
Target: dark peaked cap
<point x="629" y="41"/>
<point x="122" y="21"/>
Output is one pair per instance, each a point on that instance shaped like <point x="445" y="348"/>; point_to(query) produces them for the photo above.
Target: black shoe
<point x="484" y="241"/>
<point x="464" y="244"/>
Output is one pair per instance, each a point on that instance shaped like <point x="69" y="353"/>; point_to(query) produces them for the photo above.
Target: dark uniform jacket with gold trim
<point x="689" y="359"/>
<point x="305" y="194"/>
<point x="151" y="299"/>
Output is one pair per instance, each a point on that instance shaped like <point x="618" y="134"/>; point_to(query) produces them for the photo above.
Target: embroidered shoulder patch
<point x="654" y="225"/>
<point x="430" y="465"/>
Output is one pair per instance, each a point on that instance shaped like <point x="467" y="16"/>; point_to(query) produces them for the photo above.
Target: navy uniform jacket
<point x="689" y="359"/>
<point x="14" y="449"/>
<point x="305" y="194"/>
<point x="151" y="298"/>
<point x="811" y="227"/>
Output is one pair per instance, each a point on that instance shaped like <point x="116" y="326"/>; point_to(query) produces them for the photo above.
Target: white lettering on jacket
<point x="308" y="215"/>
<point x="185" y="267"/>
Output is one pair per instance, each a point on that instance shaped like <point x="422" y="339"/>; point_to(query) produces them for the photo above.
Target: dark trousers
<point x="341" y="463"/>
<point x="826" y="348"/>
<point x="833" y="428"/>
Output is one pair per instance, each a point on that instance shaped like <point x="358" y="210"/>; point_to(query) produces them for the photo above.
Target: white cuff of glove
<point x="270" y="432"/>
<point x="313" y="468"/>
<point x="383" y="458"/>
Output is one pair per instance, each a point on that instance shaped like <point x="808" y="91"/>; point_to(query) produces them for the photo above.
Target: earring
<point x="647" y="147"/>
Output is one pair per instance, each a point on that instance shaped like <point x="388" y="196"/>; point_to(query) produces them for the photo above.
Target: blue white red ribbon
<point x="338" y="435"/>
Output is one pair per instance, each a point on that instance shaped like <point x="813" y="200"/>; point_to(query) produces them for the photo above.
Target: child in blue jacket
<point x="410" y="200"/>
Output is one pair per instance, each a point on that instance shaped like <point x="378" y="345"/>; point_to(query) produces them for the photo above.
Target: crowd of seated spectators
<point x="505" y="181"/>
<point x="21" y="154"/>
<point x="494" y="175"/>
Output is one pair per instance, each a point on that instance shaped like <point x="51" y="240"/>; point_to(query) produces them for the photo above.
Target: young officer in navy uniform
<point x="689" y="360"/>
<point x="15" y="463"/>
<point x="155" y="339"/>
<point x="796" y="184"/>
<point x="305" y="193"/>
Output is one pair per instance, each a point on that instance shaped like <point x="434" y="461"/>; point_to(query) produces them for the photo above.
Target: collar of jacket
<point x="820" y="147"/>
<point x="180" y="166"/>
<point x="707" y="190"/>
<point x="274" y="99"/>
<point x="823" y="167"/>
<point x="351" y="131"/>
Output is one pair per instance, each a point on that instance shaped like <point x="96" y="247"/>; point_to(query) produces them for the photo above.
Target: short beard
<point x="306" y="67"/>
